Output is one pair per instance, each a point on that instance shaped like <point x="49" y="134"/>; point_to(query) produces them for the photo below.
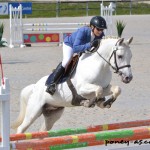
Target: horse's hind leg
<point x="114" y="91"/>
<point x="32" y="113"/>
<point x="51" y="115"/>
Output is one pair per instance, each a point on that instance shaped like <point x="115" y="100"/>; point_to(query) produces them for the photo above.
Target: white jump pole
<point x="5" y="116"/>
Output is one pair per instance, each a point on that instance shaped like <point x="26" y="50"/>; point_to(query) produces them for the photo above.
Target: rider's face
<point x="97" y="31"/>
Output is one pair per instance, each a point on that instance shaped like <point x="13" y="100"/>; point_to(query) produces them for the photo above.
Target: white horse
<point x="89" y="85"/>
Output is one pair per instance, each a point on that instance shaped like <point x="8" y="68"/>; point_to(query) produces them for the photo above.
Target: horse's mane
<point x="105" y="38"/>
<point x="109" y="37"/>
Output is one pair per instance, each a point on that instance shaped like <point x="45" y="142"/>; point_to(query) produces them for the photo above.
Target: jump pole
<point x="49" y="29"/>
<point x="92" y="143"/>
<point x="53" y="24"/>
<point x="105" y="127"/>
<point x="130" y="134"/>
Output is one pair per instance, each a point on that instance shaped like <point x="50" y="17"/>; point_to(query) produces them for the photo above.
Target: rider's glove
<point x="94" y="43"/>
<point x="91" y="50"/>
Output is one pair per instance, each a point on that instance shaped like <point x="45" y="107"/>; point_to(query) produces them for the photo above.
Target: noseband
<point x="116" y="68"/>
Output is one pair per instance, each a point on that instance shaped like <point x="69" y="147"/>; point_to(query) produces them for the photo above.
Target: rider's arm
<point x="82" y="41"/>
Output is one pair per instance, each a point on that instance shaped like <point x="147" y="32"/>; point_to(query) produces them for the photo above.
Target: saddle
<point x="70" y="68"/>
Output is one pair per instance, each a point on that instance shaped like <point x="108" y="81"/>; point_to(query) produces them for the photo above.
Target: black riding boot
<point x="54" y="78"/>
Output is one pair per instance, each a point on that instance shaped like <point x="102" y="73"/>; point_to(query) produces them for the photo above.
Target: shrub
<point x="120" y="27"/>
<point x="2" y="42"/>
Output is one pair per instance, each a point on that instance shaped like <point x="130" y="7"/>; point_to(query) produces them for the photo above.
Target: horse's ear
<point x="120" y="41"/>
<point x="129" y="40"/>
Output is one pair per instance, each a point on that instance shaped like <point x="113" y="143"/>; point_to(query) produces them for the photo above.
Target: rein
<point x="116" y="68"/>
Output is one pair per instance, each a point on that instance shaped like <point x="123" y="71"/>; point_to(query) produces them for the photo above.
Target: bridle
<point x="116" y="68"/>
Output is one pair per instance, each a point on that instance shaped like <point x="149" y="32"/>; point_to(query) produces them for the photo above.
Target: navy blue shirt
<point x="80" y="39"/>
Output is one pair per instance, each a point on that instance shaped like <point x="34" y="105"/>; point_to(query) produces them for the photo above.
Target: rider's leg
<point x="52" y="82"/>
<point x="59" y="71"/>
<point x="67" y="55"/>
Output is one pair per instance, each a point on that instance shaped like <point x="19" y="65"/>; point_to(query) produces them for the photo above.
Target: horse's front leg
<point x="114" y="91"/>
<point x="91" y="92"/>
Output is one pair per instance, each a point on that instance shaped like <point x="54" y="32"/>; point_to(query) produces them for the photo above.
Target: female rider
<point x="84" y="39"/>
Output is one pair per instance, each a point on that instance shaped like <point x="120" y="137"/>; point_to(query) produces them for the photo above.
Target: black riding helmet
<point x="98" y="22"/>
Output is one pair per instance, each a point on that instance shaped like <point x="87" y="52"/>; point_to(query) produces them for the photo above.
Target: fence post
<point x="130" y="7"/>
<point x="10" y="22"/>
<point x="106" y="12"/>
<point x="5" y="117"/>
<point x="87" y="8"/>
<point x="57" y="8"/>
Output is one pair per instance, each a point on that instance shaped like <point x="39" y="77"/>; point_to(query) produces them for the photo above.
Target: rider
<point x="84" y="39"/>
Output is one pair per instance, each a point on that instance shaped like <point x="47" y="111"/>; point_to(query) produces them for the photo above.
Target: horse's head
<point x="120" y="59"/>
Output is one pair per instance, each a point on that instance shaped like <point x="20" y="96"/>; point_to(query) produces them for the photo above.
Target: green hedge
<point x="46" y="10"/>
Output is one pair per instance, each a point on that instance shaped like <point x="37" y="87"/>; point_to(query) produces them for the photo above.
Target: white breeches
<point x="67" y="55"/>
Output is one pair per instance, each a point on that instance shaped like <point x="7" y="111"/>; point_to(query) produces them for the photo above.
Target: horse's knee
<point x="116" y="91"/>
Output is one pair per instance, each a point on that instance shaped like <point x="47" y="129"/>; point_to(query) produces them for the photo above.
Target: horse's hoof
<point x="84" y="103"/>
<point x="93" y="105"/>
<point x="87" y="103"/>
<point x="109" y="102"/>
<point x="107" y="106"/>
<point x="100" y="102"/>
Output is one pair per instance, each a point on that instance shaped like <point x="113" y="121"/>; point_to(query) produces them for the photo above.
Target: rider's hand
<point x="94" y="43"/>
<point x="91" y="50"/>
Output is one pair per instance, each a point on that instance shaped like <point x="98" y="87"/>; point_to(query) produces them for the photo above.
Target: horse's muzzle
<point x="127" y="79"/>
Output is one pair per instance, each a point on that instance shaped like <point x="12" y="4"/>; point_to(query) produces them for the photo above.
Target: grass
<point x="47" y="10"/>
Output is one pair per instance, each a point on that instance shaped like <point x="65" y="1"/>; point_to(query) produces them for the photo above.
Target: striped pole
<point x="91" y="143"/>
<point x="53" y="24"/>
<point x="105" y="127"/>
<point x="44" y="143"/>
<point x="48" y="29"/>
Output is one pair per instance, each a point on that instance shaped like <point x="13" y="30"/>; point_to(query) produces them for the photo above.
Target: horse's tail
<point x="24" y="96"/>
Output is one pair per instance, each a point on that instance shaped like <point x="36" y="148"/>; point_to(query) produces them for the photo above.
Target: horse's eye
<point x="119" y="56"/>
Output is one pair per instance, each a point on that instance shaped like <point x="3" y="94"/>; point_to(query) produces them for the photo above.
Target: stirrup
<point x="51" y="89"/>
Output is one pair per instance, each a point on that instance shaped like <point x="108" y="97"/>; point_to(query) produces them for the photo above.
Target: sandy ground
<point x="24" y="66"/>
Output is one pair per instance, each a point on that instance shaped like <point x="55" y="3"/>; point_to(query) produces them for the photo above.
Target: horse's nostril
<point x="127" y="78"/>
